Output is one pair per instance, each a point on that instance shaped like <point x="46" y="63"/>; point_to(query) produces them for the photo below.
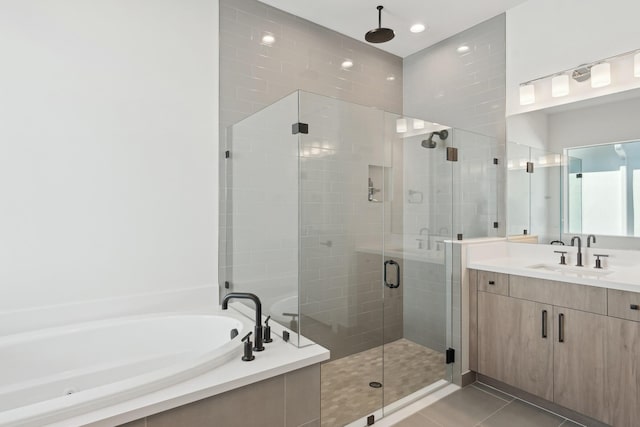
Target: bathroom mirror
<point x="586" y="133"/>
<point x="534" y="193"/>
<point x="603" y="189"/>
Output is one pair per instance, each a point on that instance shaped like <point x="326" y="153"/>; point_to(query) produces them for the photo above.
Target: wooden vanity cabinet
<point x="622" y="372"/>
<point x="515" y="342"/>
<point x="579" y="361"/>
<point x="551" y="351"/>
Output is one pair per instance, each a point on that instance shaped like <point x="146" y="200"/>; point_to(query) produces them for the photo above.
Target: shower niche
<point x="379" y="184"/>
<point x="339" y="227"/>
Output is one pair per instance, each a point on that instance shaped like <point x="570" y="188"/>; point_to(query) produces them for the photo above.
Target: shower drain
<point x="375" y="384"/>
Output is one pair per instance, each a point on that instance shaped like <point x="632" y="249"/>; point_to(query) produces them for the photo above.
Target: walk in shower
<point x="338" y="216"/>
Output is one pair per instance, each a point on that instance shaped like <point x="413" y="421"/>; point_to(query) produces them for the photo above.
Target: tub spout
<point x="258" y="328"/>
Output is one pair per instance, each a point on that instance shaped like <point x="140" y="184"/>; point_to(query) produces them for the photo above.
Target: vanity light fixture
<point x="418" y="124"/>
<point x="401" y="125"/>
<point x="601" y="75"/>
<point x="599" y="72"/>
<point x="560" y="85"/>
<point x="527" y="94"/>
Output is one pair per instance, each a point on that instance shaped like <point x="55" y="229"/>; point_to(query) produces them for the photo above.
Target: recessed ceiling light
<point x="347" y="63"/>
<point x="463" y="48"/>
<point x="391" y="78"/>
<point x="417" y="28"/>
<point x="268" y="39"/>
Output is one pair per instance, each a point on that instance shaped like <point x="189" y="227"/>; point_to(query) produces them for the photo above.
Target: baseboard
<point x="468" y="377"/>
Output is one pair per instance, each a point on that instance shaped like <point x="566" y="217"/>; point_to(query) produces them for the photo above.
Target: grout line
<point x="493" y="395"/>
<point x="565" y="419"/>
<point x="430" y="420"/>
<point x="494" y="413"/>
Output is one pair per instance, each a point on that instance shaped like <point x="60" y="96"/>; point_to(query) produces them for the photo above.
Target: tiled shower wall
<point x="465" y="90"/>
<point x="304" y="56"/>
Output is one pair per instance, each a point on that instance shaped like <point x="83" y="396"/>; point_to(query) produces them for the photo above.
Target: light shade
<point x="601" y="75"/>
<point x="527" y="94"/>
<point x="401" y="125"/>
<point x="636" y="64"/>
<point x="418" y="124"/>
<point x="560" y="85"/>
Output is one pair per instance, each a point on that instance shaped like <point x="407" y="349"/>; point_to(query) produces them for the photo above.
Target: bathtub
<point x="51" y="374"/>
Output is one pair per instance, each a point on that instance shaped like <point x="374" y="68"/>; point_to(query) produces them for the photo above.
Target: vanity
<point x="567" y="335"/>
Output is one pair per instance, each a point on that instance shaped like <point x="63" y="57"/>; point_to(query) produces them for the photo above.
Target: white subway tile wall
<point x="465" y="90"/>
<point x="303" y="55"/>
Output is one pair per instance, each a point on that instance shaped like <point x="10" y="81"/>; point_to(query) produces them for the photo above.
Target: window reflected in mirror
<point x="603" y="187"/>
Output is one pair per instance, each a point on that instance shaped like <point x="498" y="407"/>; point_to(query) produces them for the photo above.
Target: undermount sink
<point x="570" y="270"/>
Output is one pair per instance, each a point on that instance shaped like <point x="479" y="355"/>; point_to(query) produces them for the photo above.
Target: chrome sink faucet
<point x="590" y="238"/>
<point x="573" y="239"/>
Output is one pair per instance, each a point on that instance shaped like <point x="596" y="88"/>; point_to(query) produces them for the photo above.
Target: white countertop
<point x="621" y="270"/>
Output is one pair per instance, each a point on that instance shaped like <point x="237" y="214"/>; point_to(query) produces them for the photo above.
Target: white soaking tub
<point x="51" y="374"/>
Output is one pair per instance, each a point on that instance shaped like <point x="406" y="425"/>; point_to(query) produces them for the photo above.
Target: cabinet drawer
<point x="624" y="305"/>
<point x="496" y="283"/>
<point x="578" y="297"/>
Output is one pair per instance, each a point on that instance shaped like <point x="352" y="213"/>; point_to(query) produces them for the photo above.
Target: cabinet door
<point x="578" y="356"/>
<point x="513" y="346"/>
<point x="622" y="372"/>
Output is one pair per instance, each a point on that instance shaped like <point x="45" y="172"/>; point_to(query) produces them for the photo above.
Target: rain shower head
<point x="379" y="35"/>
<point x="430" y="143"/>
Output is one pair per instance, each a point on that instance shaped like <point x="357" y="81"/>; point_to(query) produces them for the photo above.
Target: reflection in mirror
<point x="604" y="189"/>
<point x="534" y="194"/>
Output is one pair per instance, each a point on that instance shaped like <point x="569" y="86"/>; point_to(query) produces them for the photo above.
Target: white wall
<point x="549" y="36"/>
<point x="108" y="148"/>
<point x="598" y="124"/>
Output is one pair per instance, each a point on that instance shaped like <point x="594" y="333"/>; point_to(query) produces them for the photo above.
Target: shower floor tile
<point x="346" y="394"/>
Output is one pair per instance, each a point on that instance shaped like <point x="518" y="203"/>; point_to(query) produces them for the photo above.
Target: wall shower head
<point x="430" y="143"/>
<point x="379" y="35"/>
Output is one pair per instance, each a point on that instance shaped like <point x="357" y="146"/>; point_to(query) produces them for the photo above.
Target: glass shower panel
<point x="344" y="189"/>
<point x="477" y="183"/>
<point x="262" y="209"/>
<point x="418" y="222"/>
<point x="519" y="188"/>
<point x="545" y="195"/>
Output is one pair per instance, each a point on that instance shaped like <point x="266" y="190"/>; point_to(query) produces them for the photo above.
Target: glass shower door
<point x="418" y="221"/>
<point x="343" y="194"/>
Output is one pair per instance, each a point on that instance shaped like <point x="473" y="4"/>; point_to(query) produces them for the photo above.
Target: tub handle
<point x="234" y="333"/>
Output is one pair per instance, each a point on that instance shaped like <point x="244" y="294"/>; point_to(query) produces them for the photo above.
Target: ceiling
<point x="443" y="18"/>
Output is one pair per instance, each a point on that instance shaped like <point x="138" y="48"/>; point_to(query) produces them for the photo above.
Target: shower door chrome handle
<point x="386" y="266"/>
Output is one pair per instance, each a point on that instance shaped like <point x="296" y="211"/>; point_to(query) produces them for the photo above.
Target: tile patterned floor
<point x="345" y="391"/>
<point x="479" y="405"/>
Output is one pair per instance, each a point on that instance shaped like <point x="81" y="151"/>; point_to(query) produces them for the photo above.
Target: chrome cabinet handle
<point x="544" y="323"/>
<point x="561" y="327"/>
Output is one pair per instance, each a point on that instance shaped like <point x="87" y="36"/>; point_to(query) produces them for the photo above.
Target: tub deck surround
<point x="621" y="270"/>
<point x="278" y="359"/>
<point x="181" y="384"/>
